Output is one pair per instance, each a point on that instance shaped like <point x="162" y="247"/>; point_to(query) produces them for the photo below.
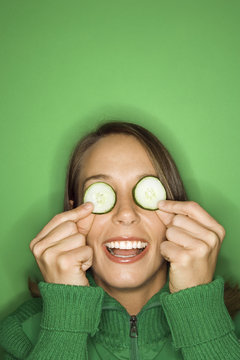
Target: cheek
<point x="100" y="223"/>
<point x="157" y="228"/>
<point x="158" y="235"/>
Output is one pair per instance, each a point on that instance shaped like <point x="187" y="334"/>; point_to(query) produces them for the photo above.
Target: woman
<point x="161" y="302"/>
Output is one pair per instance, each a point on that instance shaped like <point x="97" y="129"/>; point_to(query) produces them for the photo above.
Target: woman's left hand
<point x="193" y="241"/>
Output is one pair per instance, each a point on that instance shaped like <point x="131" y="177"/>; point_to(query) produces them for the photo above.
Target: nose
<point x="125" y="211"/>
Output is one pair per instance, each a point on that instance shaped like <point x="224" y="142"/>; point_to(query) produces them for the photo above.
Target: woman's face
<point x="123" y="161"/>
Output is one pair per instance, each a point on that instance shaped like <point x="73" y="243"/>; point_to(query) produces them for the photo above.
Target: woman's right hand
<point x="60" y="248"/>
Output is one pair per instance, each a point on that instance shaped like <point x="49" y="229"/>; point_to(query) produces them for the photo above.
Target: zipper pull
<point x="133" y="327"/>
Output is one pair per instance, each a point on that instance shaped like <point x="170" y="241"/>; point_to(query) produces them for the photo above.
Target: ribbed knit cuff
<point x="71" y="307"/>
<point x="198" y="314"/>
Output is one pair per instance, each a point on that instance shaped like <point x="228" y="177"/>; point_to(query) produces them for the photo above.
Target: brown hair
<point x="164" y="166"/>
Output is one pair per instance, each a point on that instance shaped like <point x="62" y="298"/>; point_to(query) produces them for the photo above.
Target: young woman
<point x="128" y="283"/>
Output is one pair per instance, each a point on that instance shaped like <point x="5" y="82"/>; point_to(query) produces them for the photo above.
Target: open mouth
<point x="126" y="251"/>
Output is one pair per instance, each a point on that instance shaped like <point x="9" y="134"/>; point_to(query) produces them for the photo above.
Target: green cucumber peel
<point x="102" y="195"/>
<point x="147" y="192"/>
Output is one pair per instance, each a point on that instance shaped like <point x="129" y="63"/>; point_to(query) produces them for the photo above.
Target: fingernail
<point x="87" y="205"/>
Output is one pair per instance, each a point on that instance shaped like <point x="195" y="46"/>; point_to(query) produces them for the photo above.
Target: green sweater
<point x="78" y="322"/>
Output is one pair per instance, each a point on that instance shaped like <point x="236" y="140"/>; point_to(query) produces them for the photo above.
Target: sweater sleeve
<point x="200" y="323"/>
<point x="70" y="314"/>
<point x="6" y="356"/>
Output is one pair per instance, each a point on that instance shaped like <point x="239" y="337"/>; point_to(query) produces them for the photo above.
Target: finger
<point x="65" y="244"/>
<point x="62" y="231"/>
<point x="194" y="211"/>
<point x="171" y="252"/>
<point x="80" y="257"/>
<point x="84" y="225"/>
<point x="182" y="238"/>
<point x="196" y="230"/>
<point x="165" y="217"/>
<point x="74" y="215"/>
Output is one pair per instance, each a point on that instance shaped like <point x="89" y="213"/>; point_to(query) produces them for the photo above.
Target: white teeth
<point x="122" y="245"/>
<point x="129" y="245"/>
<point x="126" y="245"/>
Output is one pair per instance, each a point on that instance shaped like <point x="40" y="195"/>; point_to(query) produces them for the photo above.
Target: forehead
<point x="116" y="153"/>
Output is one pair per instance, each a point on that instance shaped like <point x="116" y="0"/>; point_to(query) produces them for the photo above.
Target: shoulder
<point x="23" y="326"/>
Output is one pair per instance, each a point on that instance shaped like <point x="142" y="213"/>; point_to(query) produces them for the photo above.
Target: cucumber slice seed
<point x="148" y="192"/>
<point x="102" y="195"/>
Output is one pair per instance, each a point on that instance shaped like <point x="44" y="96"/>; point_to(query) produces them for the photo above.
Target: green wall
<point x="172" y="66"/>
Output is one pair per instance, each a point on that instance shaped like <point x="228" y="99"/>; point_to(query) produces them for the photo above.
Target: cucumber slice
<point x="102" y="195"/>
<point x="148" y="192"/>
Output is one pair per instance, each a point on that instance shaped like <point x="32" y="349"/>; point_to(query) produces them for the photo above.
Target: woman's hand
<point x="60" y="248"/>
<point x="194" y="240"/>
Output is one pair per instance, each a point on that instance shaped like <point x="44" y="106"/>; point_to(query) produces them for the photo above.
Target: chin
<point x="124" y="279"/>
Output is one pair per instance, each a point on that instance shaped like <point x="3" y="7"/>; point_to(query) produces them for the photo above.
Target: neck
<point x="134" y="299"/>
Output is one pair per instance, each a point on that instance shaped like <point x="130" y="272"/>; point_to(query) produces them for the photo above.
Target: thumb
<point x="84" y="225"/>
<point x="165" y="217"/>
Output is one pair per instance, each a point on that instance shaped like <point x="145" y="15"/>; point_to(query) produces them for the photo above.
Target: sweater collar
<point x="114" y="327"/>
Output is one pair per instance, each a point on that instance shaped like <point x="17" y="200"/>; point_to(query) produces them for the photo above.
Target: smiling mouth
<point x="126" y="251"/>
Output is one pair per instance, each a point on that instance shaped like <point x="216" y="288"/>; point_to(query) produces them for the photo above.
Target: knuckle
<point x="178" y="220"/>
<point x="90" y="250"/>
<point x="59" y="217"/>
<point x="79" y="243"/>
<point x="169" y="232"/>
<point x="222" y="231"/>
<point x="37" y="249"/>
<point x="193" y="205"/>
<point x="203" y="250"/>
<point x="185" y="258"/>
<point x="47" y="255"/>
<point x="88" y="254"/>
<point x="62" y="262"/>
<point x="78" y="240"/>
<point x="72" y="227"/>
<point x="214" y="240"/>
<point x="31" y="244"/>
<point x="162" y="245"/>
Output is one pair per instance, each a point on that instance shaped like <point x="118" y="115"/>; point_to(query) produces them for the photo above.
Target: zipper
<point x="133" y="333"/>
<point x="133" y="327"/>
<point x="134" y="352"/>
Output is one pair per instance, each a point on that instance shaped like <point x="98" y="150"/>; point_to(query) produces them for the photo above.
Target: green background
<point x="172" y="66"/>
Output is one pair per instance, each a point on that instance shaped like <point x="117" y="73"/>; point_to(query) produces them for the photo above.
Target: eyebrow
<point x="108" y="177"/>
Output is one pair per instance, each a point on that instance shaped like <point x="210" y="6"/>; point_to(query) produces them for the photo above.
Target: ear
<point x="71" y="204"/>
